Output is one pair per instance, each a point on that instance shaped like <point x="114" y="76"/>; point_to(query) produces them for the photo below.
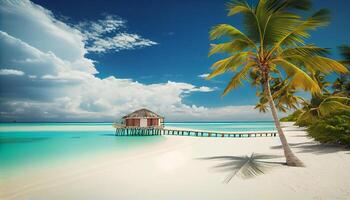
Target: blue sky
<point x="150" y="45"/>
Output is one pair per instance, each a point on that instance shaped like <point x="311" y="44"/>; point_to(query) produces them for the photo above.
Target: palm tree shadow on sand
<point x="244" y="166"/>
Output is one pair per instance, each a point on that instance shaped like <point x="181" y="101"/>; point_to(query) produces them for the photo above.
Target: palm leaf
<point x="231" y="63"/>
<point x="306" y="50"/>
<point x="237" y="78"/>
<point x="300" y="79"/>
<point x="251" y="20"/>
<point x="236" y="7"/>
<point x="229" y="47"/>
<point x="327" y="107"/>
<point x="299" y="32"/>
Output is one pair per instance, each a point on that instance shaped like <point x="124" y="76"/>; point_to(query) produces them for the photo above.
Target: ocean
<point x="33" y="145"/>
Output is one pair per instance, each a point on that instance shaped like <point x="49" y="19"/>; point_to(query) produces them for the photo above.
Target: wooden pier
<point x="138" y="131"/>
<point x="149" y="131"/>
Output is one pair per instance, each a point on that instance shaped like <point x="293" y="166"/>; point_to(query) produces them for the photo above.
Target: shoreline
<point x="172" y="170"/>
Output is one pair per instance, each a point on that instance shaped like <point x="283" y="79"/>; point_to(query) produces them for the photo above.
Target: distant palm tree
<point x="273" y="39"/>
<point x="283" y="95"/>
<point x="342" y="84"/>
<point x="321" y="106"/>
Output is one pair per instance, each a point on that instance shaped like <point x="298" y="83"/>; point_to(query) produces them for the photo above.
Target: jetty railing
<point x="160" y="130"/>
<point x="204" y="133"/>
<point x="138" y="131"/>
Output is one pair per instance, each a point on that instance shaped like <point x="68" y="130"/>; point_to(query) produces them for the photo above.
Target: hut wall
<point x="152" y="122"/>
<point x="143" y="122"/>
<point x="132" y="122"/>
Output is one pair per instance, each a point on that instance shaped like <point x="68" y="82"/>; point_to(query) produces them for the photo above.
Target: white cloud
<point x="109" y="35"/>
<point x="203" y="75"/>
<point x="11" y="72"/>
<point x="61" y="84"/>
<point x="38" y="28"/>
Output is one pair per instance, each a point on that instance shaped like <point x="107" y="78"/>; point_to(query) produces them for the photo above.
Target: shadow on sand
<point x="315" y="148"/>
<point x="244" y="166"/>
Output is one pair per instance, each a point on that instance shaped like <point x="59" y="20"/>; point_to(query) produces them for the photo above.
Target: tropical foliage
<point x="272" y="45"/>
<point x="283" y="95"/>
<point x="327" y="116"/>
<point x="292" y="117"/>
<point x="322" y="106"/>
<point x="342" y="84"/>
<point x="335" y="129"/>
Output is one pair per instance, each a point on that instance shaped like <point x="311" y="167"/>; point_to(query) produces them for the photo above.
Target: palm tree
<point x="342" y="85"/>
<point x="321" y="106"/>
<point x="272" y="41"/>
<point x="283" y="95"/>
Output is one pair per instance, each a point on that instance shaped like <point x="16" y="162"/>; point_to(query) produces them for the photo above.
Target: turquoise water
<point x="32" y="145"/>
<point x="227" y="126"/>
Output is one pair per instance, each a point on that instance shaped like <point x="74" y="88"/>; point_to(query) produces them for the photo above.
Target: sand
<point x="172" y="170"/>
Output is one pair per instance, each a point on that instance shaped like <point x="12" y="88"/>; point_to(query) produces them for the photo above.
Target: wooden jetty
<point x="149" y="131"/>
<point x="144" y="122"/>
<point x="138" y="131"/>
<point x="205" y="133"/>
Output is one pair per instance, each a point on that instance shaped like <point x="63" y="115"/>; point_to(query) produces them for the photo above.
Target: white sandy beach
<point x="171" y="170"/>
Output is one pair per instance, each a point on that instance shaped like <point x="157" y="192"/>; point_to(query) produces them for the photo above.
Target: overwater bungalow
<point x="144" y="122"/>
<point x="143" y="118"/>
<point x="140" y="122"/>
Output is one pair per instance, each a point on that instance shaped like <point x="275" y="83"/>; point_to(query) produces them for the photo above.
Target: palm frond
<point x="231" y="63"/>
<point x="330" y="106"/>
<point x="251" y="21"/>
<point x="236" y="7"/>
<point x="306" y="50"/>
<point x="263" y="107"/>
<point x="331" y="64"/>
<point x="332" y="103"/>
<point x="237" y="78"/>
<point x="229" y="47"/>
<point x="345" y="52"/>
<point x="299" y="79"/>
<point x="228" y="31"/>
<point x="300" y="30"/>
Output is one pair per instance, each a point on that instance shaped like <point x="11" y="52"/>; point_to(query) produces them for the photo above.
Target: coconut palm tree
<point x="273" y="40"/>
<point x="283" y="95"/>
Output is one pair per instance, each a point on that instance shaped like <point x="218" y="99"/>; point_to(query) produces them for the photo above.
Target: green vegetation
<point x="327" y="115"/>
<point x="334" y="129"/>
<point x="292" y="117"/>
<point x="271" y="53"/>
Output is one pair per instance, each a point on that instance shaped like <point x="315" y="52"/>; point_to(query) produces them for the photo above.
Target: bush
<point x="292" y="117"/>
<point x="333" y="129"/>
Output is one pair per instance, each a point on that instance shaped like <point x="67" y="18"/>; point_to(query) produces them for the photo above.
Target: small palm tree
<point x="272" y="41"/>
<point x="321" y="106"/>
<point x="283" y="95"/>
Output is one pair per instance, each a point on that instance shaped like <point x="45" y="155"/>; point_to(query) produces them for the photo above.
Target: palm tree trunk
<point x="291" y="159"/>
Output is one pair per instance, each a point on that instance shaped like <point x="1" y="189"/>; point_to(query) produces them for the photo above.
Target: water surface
<point x="36" y="145"/>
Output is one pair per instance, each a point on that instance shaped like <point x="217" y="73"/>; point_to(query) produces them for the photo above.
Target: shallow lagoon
<point x="34" y="145"/>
